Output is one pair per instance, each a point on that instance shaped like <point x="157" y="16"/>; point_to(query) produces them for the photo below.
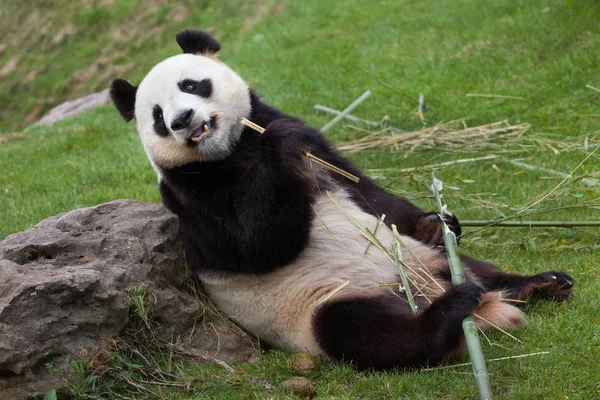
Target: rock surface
<point x="71" y="108"/>
<point x="65" y="283"/>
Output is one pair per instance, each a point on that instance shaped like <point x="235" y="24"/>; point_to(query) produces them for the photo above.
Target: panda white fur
<point x="273" y="250"/>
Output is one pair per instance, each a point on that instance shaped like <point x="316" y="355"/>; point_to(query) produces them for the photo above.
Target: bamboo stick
<point x="489" y="361"/>
<point x="252" y="125"/>
<point x="495" y="96"/>
<point x="311" y="157"/>
<point x="545" y="196"/>
<point x="530" y="224"/>
<point x="349" y="117"/>
<point x="379" y="222"/>
<point x="482" y="378"/>
<point x="586" y="181"/>
<point x="398" y="259"/>
<point x="331" y="294"/>
<point x="333" y="167"/>
<point x="593" y="88"/>
<point x="346" y="111"/>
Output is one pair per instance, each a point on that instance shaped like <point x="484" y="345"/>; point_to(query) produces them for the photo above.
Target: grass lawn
<point x="534" y="57"/>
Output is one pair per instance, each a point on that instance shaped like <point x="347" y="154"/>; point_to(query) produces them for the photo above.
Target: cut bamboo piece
<point x="311" y="157"/>
<point x="333" y="167"/>
<point x="252" y="125"/>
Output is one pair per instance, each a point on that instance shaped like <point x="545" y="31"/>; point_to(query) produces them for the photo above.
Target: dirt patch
<point x="179" y="14"/>
<point x="260" y="11"/>
<point x="62" y="34"/>
<point x="280" y="7"/>
<point x="10" y="136"/>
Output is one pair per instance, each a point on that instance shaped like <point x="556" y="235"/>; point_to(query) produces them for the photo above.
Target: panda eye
<point x="157" y="114"/>
<point x="159" y="124"/>
<point x="201" y="88"/>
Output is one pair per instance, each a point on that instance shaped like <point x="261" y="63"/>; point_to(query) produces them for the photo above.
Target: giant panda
<point x="275" y="239"/>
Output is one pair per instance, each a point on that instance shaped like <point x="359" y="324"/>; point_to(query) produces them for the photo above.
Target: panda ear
<point x="122" y="94"/>
<point x="197" y="42"/>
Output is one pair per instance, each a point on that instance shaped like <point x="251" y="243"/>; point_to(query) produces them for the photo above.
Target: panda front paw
<point x="551" y="285"/>
<point x="458" y="302"/>
<point x="465" y="298"/>
<point x="428" y="229"/>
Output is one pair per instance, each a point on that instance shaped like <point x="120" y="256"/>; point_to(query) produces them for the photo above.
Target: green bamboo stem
<point x="379" y="222"/>
<point x="482" y="378"/>
<point x="532" y="224"/>
<point x="397" y="252"/>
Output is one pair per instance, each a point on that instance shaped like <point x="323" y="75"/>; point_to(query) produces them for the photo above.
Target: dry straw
<point x="450" y="133"/>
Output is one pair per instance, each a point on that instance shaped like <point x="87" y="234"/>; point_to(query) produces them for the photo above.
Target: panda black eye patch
<point x="159" y="122"/>
<point x="202" y="88"/>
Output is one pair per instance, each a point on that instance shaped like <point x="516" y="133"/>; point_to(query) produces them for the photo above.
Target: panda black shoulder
<point x="262" y="113"/>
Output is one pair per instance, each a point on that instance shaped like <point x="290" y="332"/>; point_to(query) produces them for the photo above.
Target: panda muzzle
<point x="200" y="132"/>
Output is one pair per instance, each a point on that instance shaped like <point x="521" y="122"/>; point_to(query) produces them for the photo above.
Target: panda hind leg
<point x="382" y="332"/>
<point x="550" y="285"/>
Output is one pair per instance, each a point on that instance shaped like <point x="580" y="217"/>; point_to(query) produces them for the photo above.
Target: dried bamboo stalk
<point x="331" y="294"/>
<point x="586" y="181"/>
<point x="379" y="222"/>
<point x="311" y="157"/>
<point x="495" y="96"/>
<point x="333" y="167"/>
<point x="489" y="361"/>
<point x="252" y="125"/>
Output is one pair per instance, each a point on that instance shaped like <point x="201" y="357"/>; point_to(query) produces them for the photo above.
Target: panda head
<point x="188" y="107"/>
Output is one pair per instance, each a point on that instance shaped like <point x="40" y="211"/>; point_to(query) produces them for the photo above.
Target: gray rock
<point x="65" y="283"/>
<point x="74" y="107"/>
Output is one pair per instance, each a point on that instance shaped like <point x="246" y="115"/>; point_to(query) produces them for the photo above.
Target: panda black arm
<point x="252" y="212"/>
<point x="373" y="199"/>
<point x="273" y="200"/>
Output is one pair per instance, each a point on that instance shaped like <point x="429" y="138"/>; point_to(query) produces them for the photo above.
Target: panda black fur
<point x="270" y="247"/>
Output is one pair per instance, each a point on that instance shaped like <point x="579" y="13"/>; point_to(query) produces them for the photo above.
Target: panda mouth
<point x="202" y="132"/>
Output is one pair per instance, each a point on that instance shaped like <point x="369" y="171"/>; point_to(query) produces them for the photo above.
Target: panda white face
<point x="188" y="108"/>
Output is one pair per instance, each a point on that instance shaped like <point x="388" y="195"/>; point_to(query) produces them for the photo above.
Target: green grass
<point x="297" y="54"/>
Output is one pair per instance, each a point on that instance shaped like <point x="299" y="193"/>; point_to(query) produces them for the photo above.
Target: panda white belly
<point x="278" y="307"/>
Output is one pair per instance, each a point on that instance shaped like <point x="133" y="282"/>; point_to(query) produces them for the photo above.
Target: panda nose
<point x="183" y="120"/>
